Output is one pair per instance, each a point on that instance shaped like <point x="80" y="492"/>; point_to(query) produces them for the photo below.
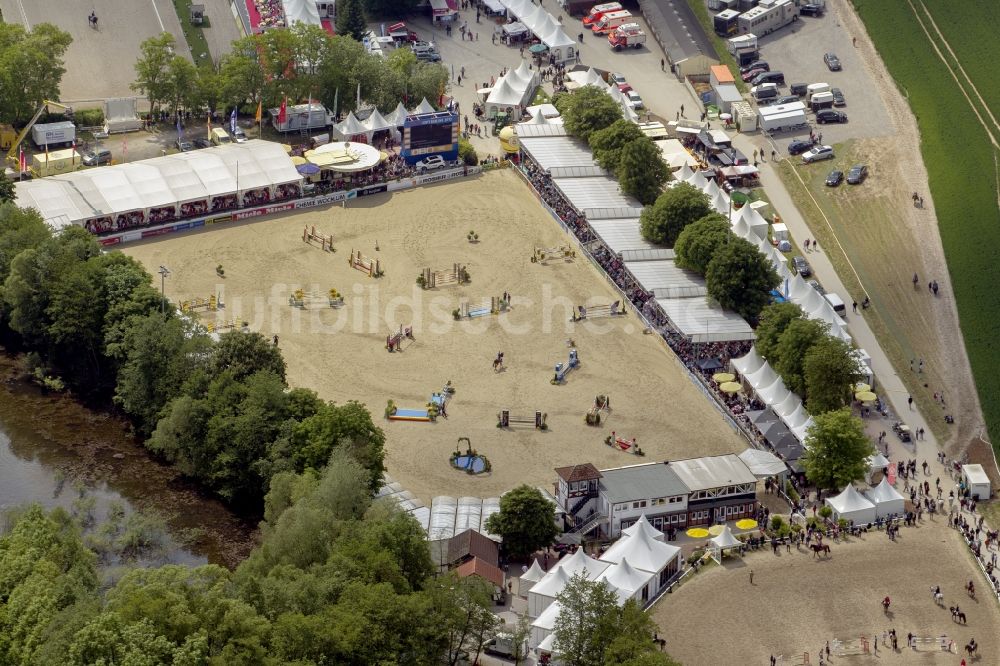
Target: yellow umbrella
<point x="287" y="148"/>
<point x="730" y="387"/>
<point x="746" y="524"/>
<point x="716" y="530"/>
<point x="865" y="396"/>
<point x="862" y="387"/>
<point x="697" y="533"/>
<point x="382" y="156"/>
<point x="723" y="377"/>
<point x="298" y="160"/>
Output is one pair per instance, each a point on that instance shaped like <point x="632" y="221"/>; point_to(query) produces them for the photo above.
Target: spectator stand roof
<point x="621" y="234"/>
<point x="595" y="192"/>
<point x="666" y="280"/>
<point x="540" y="129"/>
<point x="161" y="181"/>
<point x="560" y="152"/>
<point x="702" y="321"/>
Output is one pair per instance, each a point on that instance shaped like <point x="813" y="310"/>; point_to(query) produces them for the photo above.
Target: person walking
<point x="751" y="576"/>
<point x="663" y="65"/>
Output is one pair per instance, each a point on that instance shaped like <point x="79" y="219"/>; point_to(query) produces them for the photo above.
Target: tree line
<point x="297" y="64"/>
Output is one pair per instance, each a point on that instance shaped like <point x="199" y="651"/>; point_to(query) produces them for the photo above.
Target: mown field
<point x="960" y="162"/>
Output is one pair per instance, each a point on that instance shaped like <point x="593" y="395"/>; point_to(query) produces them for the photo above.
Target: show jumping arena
<point x="341" y="352"/>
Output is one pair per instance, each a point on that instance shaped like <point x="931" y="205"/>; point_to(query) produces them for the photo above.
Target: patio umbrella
<point x="731" y="387"/>
<point x="287" y="148"/>
<point x="723" y="377"/>
<point x="861" y="386"/>
<point x="697" y="533"/>
<point x="382" y="156"/>
<point x="307" y="169"/>
<point x="716" y="530"/>
<point x="865" y="396"/>
<point x="297" y="160"/>
<point x="484" y="91"/>
<point x="539" y="48"/>
<point x="746" y="524"/>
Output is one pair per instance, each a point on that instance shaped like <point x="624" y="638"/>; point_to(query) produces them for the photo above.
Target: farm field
<point x="962" y="172"/>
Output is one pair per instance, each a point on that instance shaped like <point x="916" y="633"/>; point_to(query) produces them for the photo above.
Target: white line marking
<point x="153" y="2"/>
<point x="24" y="15"/>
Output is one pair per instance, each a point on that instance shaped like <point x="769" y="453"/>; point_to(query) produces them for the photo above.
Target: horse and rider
<point x="92" y="20"/>
<point x="885" y="605"/>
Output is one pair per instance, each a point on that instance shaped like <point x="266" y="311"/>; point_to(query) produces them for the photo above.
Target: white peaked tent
<point x="698" y="180"/>
<point x="762" y="377"/>
<point x="559" y="43"/>
<point x="711" y="189"/>
<point x="643" y="552"/>
<point x="788" y="406"/>
<point x="580" y="562"/>
<point x="798" y="288"/>
<point x="682" y="174"/>
<point x="424" y="107"/>
<point x="852" y="505"/>
<point x="627" y="578"/>
<point x="398" y="115"/>
<point x="528" y="579"/>
<point x="741" y="229"/>
<point x="723" y="542"/>
<point x="876" y="463"/>
<point x="537" y="119"/>
<point x="544" y="624"/>
<point x="721" y="202"/>
<point x="351" y="126"/>
<point x="376" y="122"/>
<point x="515" y="7"/>
<point x="757" y="224"/>
<point x="301" y="11"/>
<point x="526" y="74"/>
<point x="886" y="499"/>
<point x="544" y="592"/>
<point x="546" y="24"/>
<point x="774" y="394"/>
<point x="803" y="430"/>
<point x="642" y="525"/>
<point x="796" y="418"/>
<point x="503" y="94"/>
<point x="549" y="645"/>
<point x="749" y="363"/>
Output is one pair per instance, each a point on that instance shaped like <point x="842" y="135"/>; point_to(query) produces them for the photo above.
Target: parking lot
<point x="797" y="50"/>
<point x="99" y="63"/>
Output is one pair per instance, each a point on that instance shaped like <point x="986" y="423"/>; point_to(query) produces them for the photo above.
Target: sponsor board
<point x="182" y="226"/>
<point x="113" y="240"/>
<point x="131" y="236"/>
<point x="374" y="189"/>
<point x="150" y="233"/>
<point x="216" y="219"/>
<point x="198" y="223"/>
<point x="321" y="200"/>
<point x="406" y="184"/>
<point x="267" y="210"/>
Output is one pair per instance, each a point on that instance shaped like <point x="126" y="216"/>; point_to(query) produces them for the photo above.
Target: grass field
<point x="960" y="162"/>
<point x="194" y="34"/>
<point x="701" y="12"/>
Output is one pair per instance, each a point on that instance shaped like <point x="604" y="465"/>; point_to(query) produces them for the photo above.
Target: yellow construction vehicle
<point x="12" y="151"/>
<point x="7" y="136"/>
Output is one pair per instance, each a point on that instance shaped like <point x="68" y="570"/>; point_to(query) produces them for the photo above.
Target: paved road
<point x="224" y="28"/>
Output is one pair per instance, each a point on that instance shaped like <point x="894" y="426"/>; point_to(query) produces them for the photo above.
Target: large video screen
<point x="426" y="136"/>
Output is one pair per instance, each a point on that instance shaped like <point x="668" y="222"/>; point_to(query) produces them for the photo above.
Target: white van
<point x="814" y="88"/>
<point x="836" y="302"/>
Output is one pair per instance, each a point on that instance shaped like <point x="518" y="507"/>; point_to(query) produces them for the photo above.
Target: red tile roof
<point x="485" y="570"/>
<point x="573" y="473"/>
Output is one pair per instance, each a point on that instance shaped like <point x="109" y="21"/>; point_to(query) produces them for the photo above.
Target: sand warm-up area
<point x="341" y="353"/>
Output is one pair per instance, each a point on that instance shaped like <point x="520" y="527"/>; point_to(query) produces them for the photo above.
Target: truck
<point x="401" y="34"/>
<point x="726" y="22"/>
<point x="764" y="20"/>
<point x="610" y="21"/>
<point x="626" y="36"/>
<point x="597" y="11"/>
<point x="744" y="48"/>
<point x="302" y="117"/>
<point x="782" y="117"/>
<point x="53" y="134"/>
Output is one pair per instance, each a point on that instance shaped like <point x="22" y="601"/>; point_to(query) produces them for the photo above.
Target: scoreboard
<point x="430" y="134"/>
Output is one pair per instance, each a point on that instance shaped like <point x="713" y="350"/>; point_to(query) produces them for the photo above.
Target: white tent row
<point x="852" y="506"/>
<point x="814" y="305"/>
<point x="771" y="390"/>
<point x="301" y="11"/>
<point x="887" y="500"/>
<point x="513" y="91"/>
<point x="546" y="28"/>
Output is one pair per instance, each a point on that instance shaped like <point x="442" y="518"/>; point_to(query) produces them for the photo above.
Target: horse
<point x="92" y="19"/>
<point x="885" y="605"/>
<point x="956" y="614"/>
<point x="818" y="548"/>
<point x="938" y="597"/>
<point x="971" y="648"/>
<point x="971" y="589"/>
<point x="498" y="362"/>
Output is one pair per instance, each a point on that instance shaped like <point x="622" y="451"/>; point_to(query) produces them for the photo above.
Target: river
<point x="52" y="448"/>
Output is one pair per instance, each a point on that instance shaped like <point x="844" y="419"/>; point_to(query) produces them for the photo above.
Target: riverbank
<point x="52" y="441"/>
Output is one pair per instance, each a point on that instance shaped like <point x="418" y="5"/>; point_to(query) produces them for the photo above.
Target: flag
<point x="232" y="121"/>
<point x="22" y="160"/>
<point x="72" y="155"/>
<point x="358" y="105"/>
<point x="283" y="112"/>
<point x="260" y="109"/>
<point x="336" y="101"/>
<point x="208" y="121"/>
<point x="46" y="154"/>
<point x="124" y="150"/>
<point x="180" y="130"/>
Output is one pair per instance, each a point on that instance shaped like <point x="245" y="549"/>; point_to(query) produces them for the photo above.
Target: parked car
<point x="857" y="174"/>
<point x="835" y="178"/>
<point x="184" y="146"/>
<point x="799" y="146"/>
<point x="817" y="154"/>
<point x="430" y="163"/>
<point x="902" y="431"/>
<point x="752" y="74"/>
<point x="817" y="286"/>
<point x="776" y="78"/>
<point x="811" y="9"/>
<point x="799" y="89"/>
<point x="824" y="116"/>
<point x="838" y="97"/>
<point x="634" y="100"/>
<point x="97" y="157"/>
<point x="787" y="99"/>
<point x="801" y="266"/>
<point x="428" y="56"/>
<point x="617" y="78"/>
<point x="756" y="64"/>
<point x="239" y="136"/>
<point x="832" y="62"/>
<point x="202" y="143"/>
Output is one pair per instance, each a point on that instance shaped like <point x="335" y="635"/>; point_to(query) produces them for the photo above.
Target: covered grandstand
<point x="164" y="189"/>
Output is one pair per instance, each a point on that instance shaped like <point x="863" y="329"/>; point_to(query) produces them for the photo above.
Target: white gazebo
<point x="876" y="463"/>
<point x="887" y="500"/>
<point x="529" y="578"/>
<point x="852" y="506"/>
<point x="642" y="525"/>
<point x="725" y="541"/>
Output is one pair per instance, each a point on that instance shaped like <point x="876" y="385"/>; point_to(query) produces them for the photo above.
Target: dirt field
<point x="341" y="353"/>
<point x="797" y="603"/>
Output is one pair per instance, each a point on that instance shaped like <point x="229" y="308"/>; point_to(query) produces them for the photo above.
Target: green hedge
<point x="89" y="117"/>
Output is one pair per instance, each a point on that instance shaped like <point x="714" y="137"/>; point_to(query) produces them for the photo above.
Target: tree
<point x="526" y="521"/>
<point x="831" y="371"/>
<point x="836" y="449"/>
<point x="389" y="8"/>
<point x="465" y="605"/>
<point x="632" y="644"/>
<point x="587" y="622"/>
<point x="774" y="319"/>
<point x="740" y="278"/>
<point x="31" y="68"/>
<point x="6" y="189"/>
<point x="699" y="242"/>
<point x="244" y="354"/>
<point x="608" y="143"/>
<point x="351" y="19"/>
<point x="152" y="69"/>
<point x="22" y="228"/>
<point x="241" y="74"/>
<point x="673" y="210"/>
<point x="588" y="110"/>
<point x="349" y="426"/>
<point x="642" y="171"/>
<point x="793" y="345"/>
<point x="182" y="84"/>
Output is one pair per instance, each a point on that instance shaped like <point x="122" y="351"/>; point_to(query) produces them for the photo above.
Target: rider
<point x="886" y="602"/>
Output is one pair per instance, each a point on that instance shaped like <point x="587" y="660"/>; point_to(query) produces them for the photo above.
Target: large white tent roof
<point x="642" y="551"/>
<point x="852" y="505"/>
<point x="301" y="11"/>
<point x="666" y="280"/>
<point x="725" y="539"/>
<point x="748" y="364"/>
<point x="504" y="93"/>
<point x="621" y="234"/>
<point x="534" y="574"/>
<point x="595" y="192"/>
<point x="624" y="576"/>
<point x="558" y="151"/>
<point x="160" y="181"/>
<point x="580" y="562"/>
<point x="642" y="525"/>
<point x="762" y="463"/>
<point x="884" y="492"/>
<point x="424" y="107"/>
<point x="552" y="583"/>
<point x="702" y="321"/>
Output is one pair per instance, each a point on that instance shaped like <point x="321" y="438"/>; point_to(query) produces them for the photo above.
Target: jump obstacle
<point x="457" y="274"/>
<point x="543" y="254"/>
<point x="626" y="445"/>
<point x="563" y="368"/>
<point x="210" y="303"/>
<point x="370" y="266"/>
<point x="310" y="236"/>
<point x="851" y="646"/>
<point x="394" y="342"/>
<point x="616" y="309"/>
<point x="496" y="306"/>
<point x="506" y="420"/>
<point x="224" y="325"/>
<point x="602" y="403"/>
<point x="436" y="406"/>
<point x="300" y="298"/>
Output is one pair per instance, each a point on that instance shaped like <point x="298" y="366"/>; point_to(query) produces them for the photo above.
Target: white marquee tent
<point x="876" y="463"/>
<point x="642" y="525"/>
<point x="529" y="578"/>
<point x="886" y="499"/>
<point x="301" y="11"/>
<point x="852" y="505"/>
<point x="703" y="321"/>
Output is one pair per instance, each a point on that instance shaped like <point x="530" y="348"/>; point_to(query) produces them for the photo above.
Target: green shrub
<point x="89" y="117"/>
<point x="467" y="153"/>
